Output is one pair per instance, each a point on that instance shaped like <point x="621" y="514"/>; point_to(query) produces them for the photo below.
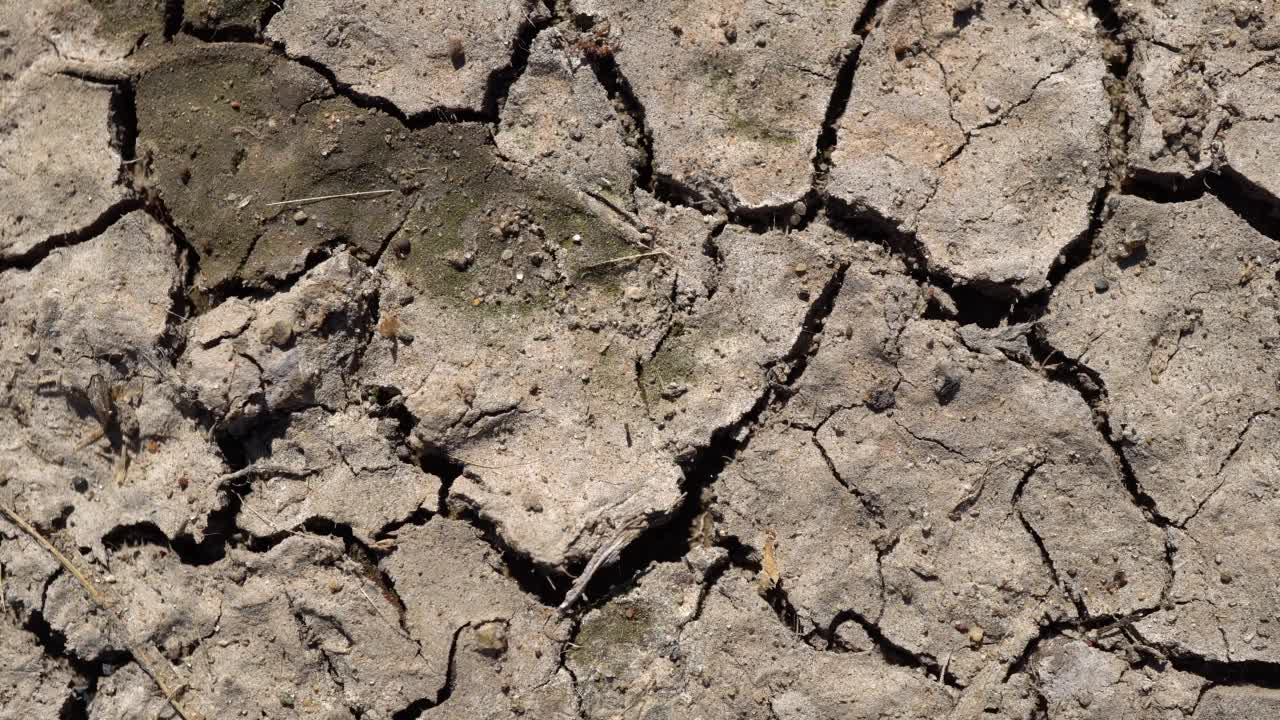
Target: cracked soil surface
<point x="780" y="359"/>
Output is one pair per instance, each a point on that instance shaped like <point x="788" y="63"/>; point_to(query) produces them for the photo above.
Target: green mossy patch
<point x="485" y="238"/>
<point x="613" y="636"/>
<point x="226" y="129"/>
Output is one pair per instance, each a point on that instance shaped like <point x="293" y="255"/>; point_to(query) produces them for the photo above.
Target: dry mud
<point x="596" y="359"/>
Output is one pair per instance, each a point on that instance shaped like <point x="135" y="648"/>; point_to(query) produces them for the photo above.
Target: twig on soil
<point x="253" y="470"/>
<point x="150" y="662"/>
<point x="607" y="555"/>
<point x="318" y="198"/>
<point x="627" y="258"/>
<point x="622" y="212"/>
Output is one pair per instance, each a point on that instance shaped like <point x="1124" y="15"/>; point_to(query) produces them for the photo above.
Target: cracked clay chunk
<point x="60" y="167"/>
<point x="1238" y="703"/>
<point x="1204" y="77"/>
<point x="1223" y="604"/>
<point x="226" y="129"/>
<point x="475" y="623"/>
<point x="719" y="358"/>
<point x="1177" y="314"/>
<point x="734" y="94"/>
<point x="291" y="352"/>
<point x="421" y="57"/>
<point x="720" y="652"/>
<point x="337" y="467"/>
<point x="930" y="518"/>
<point x="33" y="684"/>
<point x="559" y="118"/>
<point x="320" y="634"/>
<point x="91" y="36"/>
<point x="100" y="309"/>
<point x="1081" y="682"/>
<point x="991" y="158"/>
<point x="511" y="324"/>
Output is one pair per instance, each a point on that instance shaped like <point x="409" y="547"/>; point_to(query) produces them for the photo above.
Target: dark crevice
<point x="218" y="32"/>
<point x="1087" y="383"/>
<point x="670" y="537"/>
<point x="500" y="81"/>
<point x="1239" y="673"/>
<point x="891" y="652"/>
<point x="599" y="57"/>
<point x="273" y="7"/>
<point x="33" y="257"/>
<point x="828" y="136"/>
<point x="173" y="11"/>
<point x="1158" y="188"/>
<point x="1250" y="201"/>
<point x="1082" y="611"/>
<point x="415" y="709"/>
<point x="986" y="306"/>
<point x="122" y="119"/>
<point x="619" y="91"/>
<point x="381" y="104"/>
<point x="224" y="33"/>
<point x="545" y="583"/>
<point x="134" y="535"/>
<point x="496" y="88"/>
<point x="89" y="672"/>
<point x="240" y="449"/>
<point x="237" y="288"/>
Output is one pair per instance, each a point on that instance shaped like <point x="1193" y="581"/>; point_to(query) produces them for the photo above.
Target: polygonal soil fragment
<point x="32" y="684"/>
<point x="60" y="168"/>
<point x="717" y="358"/>
<point x="92" y="36"/>
<point x="991" y="159"/>
<point x="510" y="324"/>
<point x="1081" y="682"/>
<point x="1177" y="314"/>
<point x="933" y="487"/>
<point x="337" y="467"/>
<point x="163" y="602"/>
<point x="671" y="643"/>
<point x="291" y="352"/>
<point x="228" y="129"/>
<point x="474" y="622"/>
<point x="1238" y="703"/>
<point x="317" y="630"/>
<point x="1204" y="80"/>
<point x="421" y="57"/>
<point x="91" y="409"/>
<point x="734" y="94"/>
<point x="1223" y="601"/>
<point x="559" y="119"/>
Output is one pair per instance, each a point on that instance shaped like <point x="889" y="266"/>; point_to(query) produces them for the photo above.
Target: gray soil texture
<point x="615" y="360"/>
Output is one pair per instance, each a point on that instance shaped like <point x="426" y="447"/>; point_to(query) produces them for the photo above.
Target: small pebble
<point x="1101" y="285"/>
<point x="300" y="217"/>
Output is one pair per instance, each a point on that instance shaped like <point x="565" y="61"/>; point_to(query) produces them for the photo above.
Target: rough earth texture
<point x="892" y="359"/>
